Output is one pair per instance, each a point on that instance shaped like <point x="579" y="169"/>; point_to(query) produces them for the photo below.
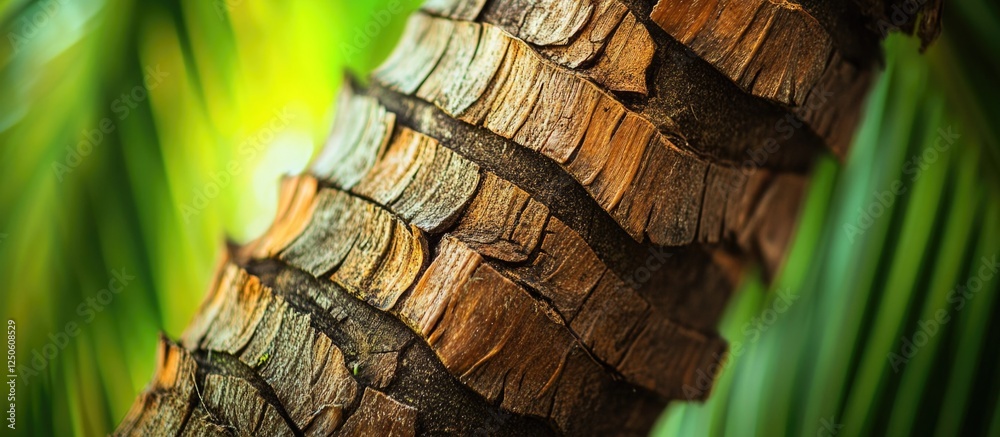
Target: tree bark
<point x="529" y="223"/>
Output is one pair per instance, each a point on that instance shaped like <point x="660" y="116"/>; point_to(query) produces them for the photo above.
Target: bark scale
<point x="528" y="224"/>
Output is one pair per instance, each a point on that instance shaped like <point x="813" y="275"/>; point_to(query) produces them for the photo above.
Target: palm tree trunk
<point x="529" y="223"/>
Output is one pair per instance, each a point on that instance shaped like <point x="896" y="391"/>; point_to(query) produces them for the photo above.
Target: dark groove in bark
<point x="704" y="191"/>
<point x="222" y="363"/>
<point x="722" y="122"/>
<point x="504" y="269"/>
<point x="719" y="120"/>
<point x="539" y="176"/>
<point x="191" y="406"/>
<point x="444" y="403"/>
<point x="697" y="254"/>
<point x="557" y="190"/>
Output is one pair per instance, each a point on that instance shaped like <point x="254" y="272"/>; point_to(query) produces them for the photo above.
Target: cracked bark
<point x="528" y="224"/>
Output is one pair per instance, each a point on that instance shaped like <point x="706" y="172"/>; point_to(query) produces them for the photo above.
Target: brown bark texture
<point x="528" y="223"/>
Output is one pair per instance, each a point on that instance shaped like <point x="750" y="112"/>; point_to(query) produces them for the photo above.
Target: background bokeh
<point x="135" y="135"/>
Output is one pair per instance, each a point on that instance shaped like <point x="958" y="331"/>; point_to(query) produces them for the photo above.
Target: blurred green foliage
<point x="134" y="135"/>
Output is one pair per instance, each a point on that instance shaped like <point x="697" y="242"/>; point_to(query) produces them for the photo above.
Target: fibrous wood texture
<point x="529" y="222"/>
